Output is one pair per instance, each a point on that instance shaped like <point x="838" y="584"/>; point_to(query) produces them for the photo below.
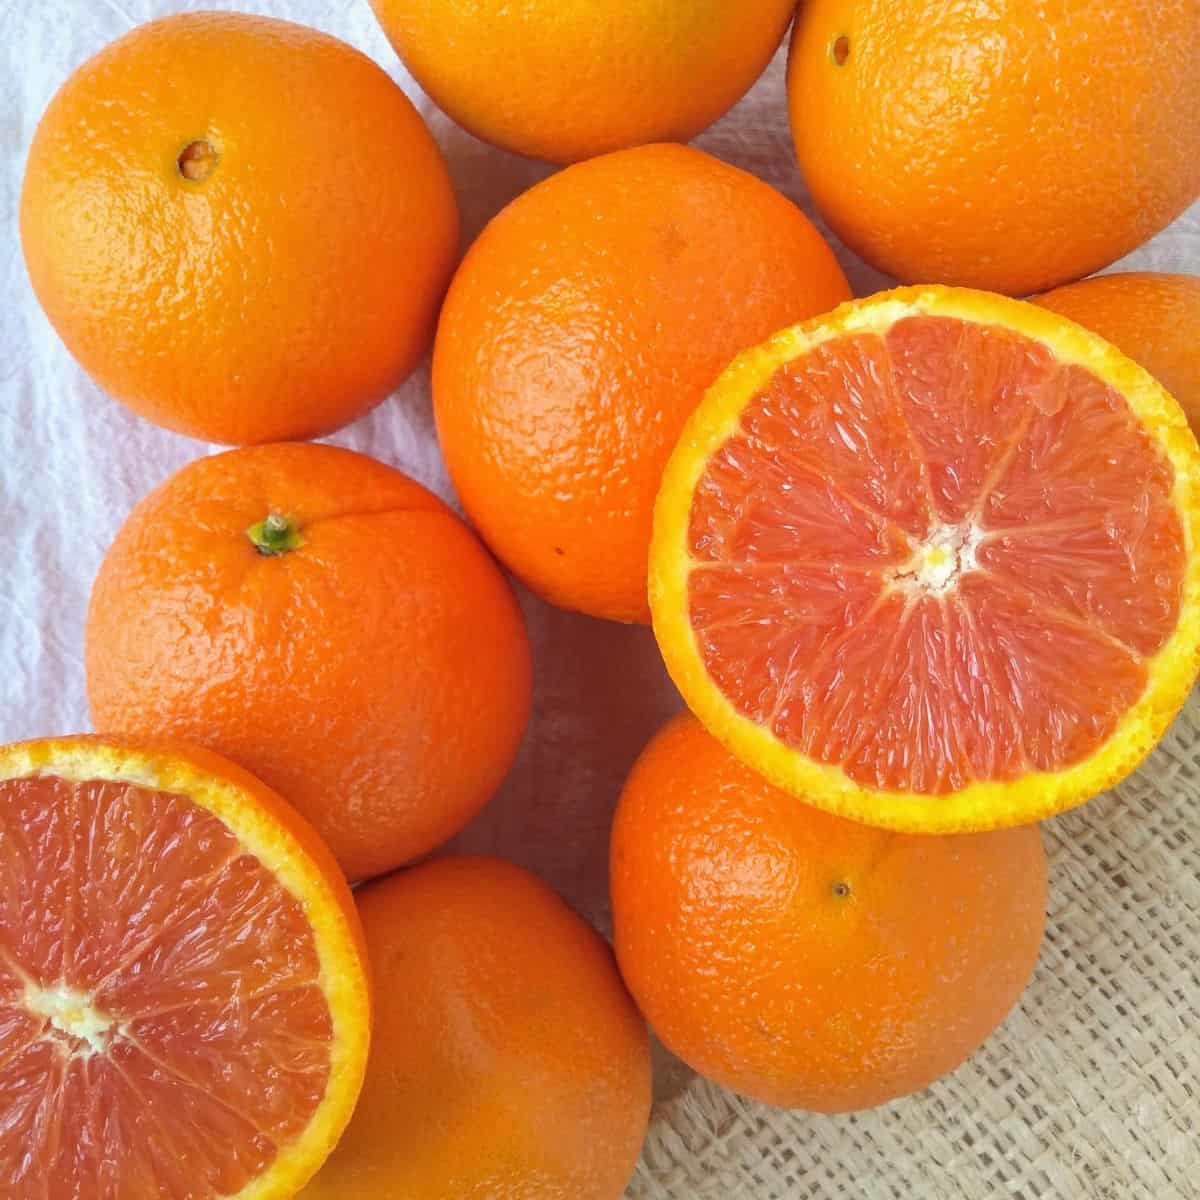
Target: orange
<point x="931" y="561"/>
<point x="183" y="989"/>
<point x="801" y="959"/>
<point x="509" y="1060"/>
<point x="1154" y="318"/>
<point x="566" y="80"/>
<point x="329" y="624"/>
<point x="1013" y="145"/>
<point x="581" y="330"/>
<point x="240" y="227"/>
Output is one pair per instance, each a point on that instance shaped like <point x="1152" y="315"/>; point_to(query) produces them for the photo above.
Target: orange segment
<point x="183" y="1002"/>
<point x="931" y="561"/>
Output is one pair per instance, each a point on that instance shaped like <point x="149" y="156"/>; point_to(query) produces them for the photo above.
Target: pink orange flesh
<point x="162" y="1031"/>
<point x="934" y="556"/>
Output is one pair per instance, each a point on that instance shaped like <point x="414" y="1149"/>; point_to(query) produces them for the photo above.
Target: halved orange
<point x="930" y="561"/>
<point x="184" y="1009"/>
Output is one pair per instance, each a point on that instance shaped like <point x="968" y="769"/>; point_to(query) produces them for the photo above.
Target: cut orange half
<point x="930" y="561"/>
<point x="184" y="1008"/>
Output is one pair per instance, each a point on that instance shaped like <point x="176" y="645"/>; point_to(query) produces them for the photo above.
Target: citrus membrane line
<point x="152" y="939"/>
<point x="49" y="1106"/>
<point x="1164" y="675"/>
<point x="879" y="518"/>
<point x="784" y="689"/>
<point x="1054" y="609"/>
<point x="833" y="644"/>
<point x="260" y="993"/>
<point x="72" y="890"/>
<point x="915" y="448"/>
<point x="10" y="963"/>
<point x="1001" y="467"/>
<point x="224" y="800"/>
<point x="699" y="566"/>
<point x="766" y="619"/>
<point x="181" y="1076"/>
<point x="998" y="528"/>
<point x="19" y="1048"/>
<point x="857" y="742"/>
<point x="959" y="735"/>
<point x="288" y="892"/>
<point x="1001" y="693"/>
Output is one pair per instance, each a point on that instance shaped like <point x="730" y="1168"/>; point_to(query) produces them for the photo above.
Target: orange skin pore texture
<point x="802" y="959"/>
<point x="377" y="675"/>
<point x="583" y="328"/>
<point x="594" y="75"/>
<point x="282" y="295"/>
<point x="1013" y="146"/>
<point x="508" y="1063"/>
<point x="1154" y="318"/>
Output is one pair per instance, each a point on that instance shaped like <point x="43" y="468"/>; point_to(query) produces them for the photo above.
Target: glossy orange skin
<point x="289" y="291"/>
<point x="566" y="80"/>
<point x="1154" y="318"/>
<point x="805" y="960"/>
<point x="582" y="329"/>
<point x="508" y="1060"/>
<point x="1012" y="146"/>
<point x="378" y="676"/>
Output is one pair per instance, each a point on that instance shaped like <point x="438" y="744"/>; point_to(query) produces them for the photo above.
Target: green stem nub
<point x="275" y="535"/>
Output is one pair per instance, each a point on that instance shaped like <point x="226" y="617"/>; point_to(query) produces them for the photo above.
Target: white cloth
<point x="73" y="463"/>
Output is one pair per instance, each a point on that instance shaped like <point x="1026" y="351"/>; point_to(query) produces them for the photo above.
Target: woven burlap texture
<point x="1089" y="1091"/>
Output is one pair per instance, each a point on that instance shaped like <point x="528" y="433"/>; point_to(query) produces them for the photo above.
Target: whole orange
<point x="1013" y="145"/>
<point x="566" y="80"/>
<point x="240" y="227"/>
<point x="508" y="1060"/>
<point x="329" y="624"/>
<point x="802" y="959"/>
<point x="1152" y="317"/>
<point x="583" y="328"/>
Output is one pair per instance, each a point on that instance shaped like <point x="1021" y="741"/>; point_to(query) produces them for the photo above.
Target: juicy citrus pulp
<point x="931" y="561"/>
<point x="183" y="1001"/>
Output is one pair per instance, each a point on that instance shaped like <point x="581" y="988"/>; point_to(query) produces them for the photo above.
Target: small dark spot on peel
<point x="841" y="889"/>
<point x="197" y="160"/>
<point x="840" y="50"/>
<point x="559" y="551"/>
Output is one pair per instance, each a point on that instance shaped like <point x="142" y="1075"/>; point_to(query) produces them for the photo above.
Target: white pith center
<point x="72" y="1013"/>
<point x="938" y="562"/>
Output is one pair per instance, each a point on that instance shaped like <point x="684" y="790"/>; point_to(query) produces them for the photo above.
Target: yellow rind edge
<point x="982" y="804"/>
<point x="343" y="977"/>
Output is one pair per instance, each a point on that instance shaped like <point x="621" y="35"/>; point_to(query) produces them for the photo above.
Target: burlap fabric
<point x="1090" y="1090"/>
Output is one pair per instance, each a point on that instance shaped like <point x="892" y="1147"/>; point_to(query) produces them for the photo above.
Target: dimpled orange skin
<point x="508" y="1060"/>
<point x="593" y="75"/>
<point x="377" y="675"/>
<point x="805" y="960"/>
<point x="283" y="295"/>
<point x="1153" y="318"/>
<point x="582" y="329"/>
<point x="1011" y="146"/>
